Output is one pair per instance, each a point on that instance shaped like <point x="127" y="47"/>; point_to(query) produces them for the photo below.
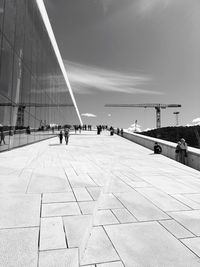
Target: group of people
<point x="84" y="127"/>
<point x="120" y="131"/>
<point x="181" y="150"/>
<point x="65" y="135"/>
<point x="101" y="128"/>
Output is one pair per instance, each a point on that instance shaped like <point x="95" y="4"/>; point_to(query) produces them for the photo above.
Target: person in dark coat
<point x="111" y="130"/>
<point x="2" y="135"/>
<point x="66" y="136"/>
<point x="61" y="136"/>
<point x="157" y="148"/>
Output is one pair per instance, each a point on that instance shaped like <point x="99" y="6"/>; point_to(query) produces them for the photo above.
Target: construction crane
<point x="157" y="107"/>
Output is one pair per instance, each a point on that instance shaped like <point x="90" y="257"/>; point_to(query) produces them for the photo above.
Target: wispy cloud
<point x="147" y="6"/>
<point x="196" y="121"/>
<point x="106" y="4"/>
<point x="87" y="79"/>
<point x="88" y="115"/>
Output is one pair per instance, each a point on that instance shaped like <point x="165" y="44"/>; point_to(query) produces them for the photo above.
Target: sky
<point x="130" y="52"/>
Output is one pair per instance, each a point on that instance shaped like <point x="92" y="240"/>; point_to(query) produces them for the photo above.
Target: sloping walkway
<point x="101" y="201"/>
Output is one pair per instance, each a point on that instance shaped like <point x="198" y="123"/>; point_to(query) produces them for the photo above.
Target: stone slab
<point x="149" y="244"/>
<point x="59" y="258"/>
<point x="187" y="201"/>
<point x="194" y="197"/>
<point x="60" y="209"/>
<point x="124" y="216"/>
<point x="19" y="210"/>
<point x="52" y="234"/>
<point x="111" y="264"/>
<point x="82" y="194"/>
<point x="109" y="201"/>
<point x="81" y="180"/>
<point x="162" y="200"/>
<point x="46" y="181"/>
<point x="193" y="244"/>
<point x="19" y="247"/>
<point x="140" y="207"/>
<point x="189" y="219"/>
<point x="99" y="248"/>
<point x="103" y="217"/>
<point x="94" y="192"/>
<point x="87" y="207"/>
<point x="58" y="197"/>
<point x="75" y="228"/>
<point x="176" y="229"/>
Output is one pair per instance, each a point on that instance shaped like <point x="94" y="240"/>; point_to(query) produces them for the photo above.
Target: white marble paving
<point x="162" y="200"/>
<point x="139" y="244"/>
<point x="140" y="207"/>
<point x="124" y="216"/>
<point x="176" y="229"/>
<point x="60" y="209"/>
<point x="189" y="219"/>
<point x="52" y="234"/>
<point x="59" y="258"/>
<point x="148" y="204"/>
<point x="111" y="264"/>
<point x="193" y="244"/>
<point x="99" y="248"/>
<point x="19" y="247"/>
<point x="76" y="228"/>
<point x="58" y="197"/>
<point x="104" y="217"/>
<point x="19" y="210"/>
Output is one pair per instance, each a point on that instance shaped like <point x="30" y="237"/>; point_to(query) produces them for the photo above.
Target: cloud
<point x="87" y="79"/>
<point x="196" y="121"/>
<point x="145" y="7"/>
<point x="106" y="4"/>
<point x="88" y="115"/>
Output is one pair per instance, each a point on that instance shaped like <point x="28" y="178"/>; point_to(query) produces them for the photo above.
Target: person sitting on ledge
<point x="157" y="148"/>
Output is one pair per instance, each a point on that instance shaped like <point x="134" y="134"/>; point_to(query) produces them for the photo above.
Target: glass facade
<point x="34" y="97"/>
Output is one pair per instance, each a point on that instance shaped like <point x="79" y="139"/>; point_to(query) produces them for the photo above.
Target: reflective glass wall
<point x="34" y="98"/>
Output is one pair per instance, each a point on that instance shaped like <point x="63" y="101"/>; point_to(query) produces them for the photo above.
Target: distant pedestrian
<point x="177" y="151"/>
<point x="2" y="135"/>
<point x="66" y="134"/>
<point x="111" y="130"/>
<point x="118" y="131"/>
<point x="122" y="132"/>
<point x="183" y="151"/>
<point x="61" y="136"/>
<point x="157" y="148"/>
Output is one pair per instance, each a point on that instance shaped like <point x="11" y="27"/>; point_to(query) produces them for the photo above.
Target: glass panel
<point x="1" y="13"/>
<point x="19" y="32"/>
<point x="9" y="20"/>
<point x="6" y="71"/>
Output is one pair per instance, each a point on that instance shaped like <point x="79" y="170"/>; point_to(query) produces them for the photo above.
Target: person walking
<point x="177" y="151"/>
<point x="61" y="136"/>
<point x="66" y="134"/>
<point x="111" y="130"/>
<point x="2" y="135"/>
<point x="183" y="151"/>
<point x="122" y="131"/>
